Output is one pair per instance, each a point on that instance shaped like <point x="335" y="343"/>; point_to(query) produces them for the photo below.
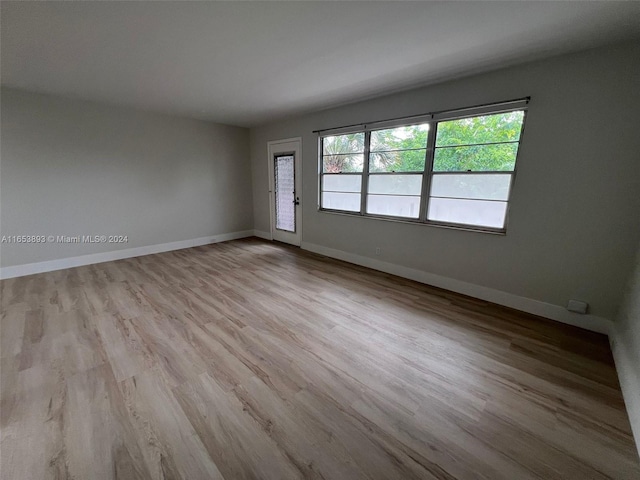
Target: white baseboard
<point x="48" y="266"/>
<point x="629" y="377"/>
<point x="536" y="307"/>
<point x="261" y="234"/>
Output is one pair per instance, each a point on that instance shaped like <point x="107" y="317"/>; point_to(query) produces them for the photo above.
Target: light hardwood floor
<point x="249" y="359"/>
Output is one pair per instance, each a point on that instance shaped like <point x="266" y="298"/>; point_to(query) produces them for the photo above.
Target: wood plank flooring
<point x="249" y="359"/>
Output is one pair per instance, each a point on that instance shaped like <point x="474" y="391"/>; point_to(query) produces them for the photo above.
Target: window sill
<point x="450" y="226"/>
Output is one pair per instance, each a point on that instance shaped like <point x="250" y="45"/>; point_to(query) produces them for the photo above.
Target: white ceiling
<point x="245" y="63"/>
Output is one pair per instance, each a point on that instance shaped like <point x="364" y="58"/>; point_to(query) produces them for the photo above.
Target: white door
<point x="285" y="190"/>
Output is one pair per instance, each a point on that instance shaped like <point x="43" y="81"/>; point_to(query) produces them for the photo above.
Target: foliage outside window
<point x="456" y="172"/>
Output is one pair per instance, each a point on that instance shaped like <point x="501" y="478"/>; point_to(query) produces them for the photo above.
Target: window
<point x="342" y="166"/>
<point x="396" y="168"/>
<point x="451" y="169"/>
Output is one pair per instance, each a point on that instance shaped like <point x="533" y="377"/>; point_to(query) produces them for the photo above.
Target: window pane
<point x="351" y="143"/>
<point x="395" y="206"/>
<point x="501" y="127"/>
<point x="398" y="161"/>
<point x="339" y="163"/>
<point x="400" y="138"/>
<point x="398" y="184"/>
<point x="488" y="187"/>
<point x="341" y="201"/>
<point x="478" y="158"/>
<point x="342" y="183"/>
<point x="469" y="212"/>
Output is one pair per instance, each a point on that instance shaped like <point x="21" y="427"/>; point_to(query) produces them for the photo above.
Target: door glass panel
<point x="285" y="193"/>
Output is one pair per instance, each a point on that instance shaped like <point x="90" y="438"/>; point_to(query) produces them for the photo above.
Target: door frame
<point x="274" y="147"/>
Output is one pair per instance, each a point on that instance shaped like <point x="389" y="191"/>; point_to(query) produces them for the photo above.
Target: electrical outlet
<point x="578" y="306"/>
<point x="378" y="250"/>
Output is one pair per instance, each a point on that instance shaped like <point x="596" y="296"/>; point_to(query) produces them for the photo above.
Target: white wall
<point x="626" y="347"/>
<point x="70" y="167"/>
<point x="574" y="214"/>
